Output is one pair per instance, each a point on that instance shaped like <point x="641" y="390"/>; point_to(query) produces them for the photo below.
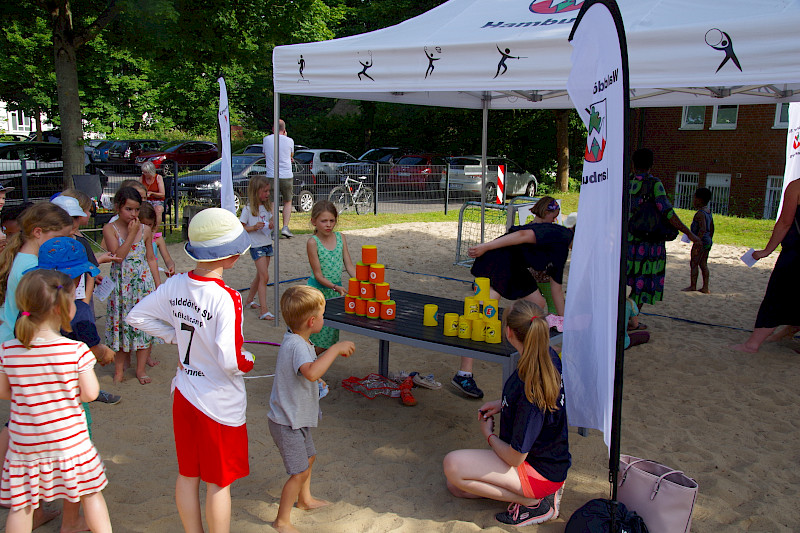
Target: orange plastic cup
<point x="362" y="272"/>
<point x="367" y="290"/>
<point x="369" y="254"/>
<point x="361" y="307"/>
<point x="381" y="291"/>
<point x="376" y="273"/>
<point x="350" y="304"/>
<point x="388" y="310"/>
<point x="373" y="309"/>
<point x="353" y="287"/>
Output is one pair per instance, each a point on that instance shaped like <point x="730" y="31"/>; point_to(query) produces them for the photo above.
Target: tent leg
<point x="276" y="308"/>
<point x="484" y="145"/>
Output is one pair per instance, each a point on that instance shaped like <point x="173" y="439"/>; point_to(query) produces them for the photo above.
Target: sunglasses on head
<point x="553" y="206"/>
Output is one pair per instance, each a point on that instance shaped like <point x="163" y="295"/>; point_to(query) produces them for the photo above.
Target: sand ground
<point x="725" y="418"/>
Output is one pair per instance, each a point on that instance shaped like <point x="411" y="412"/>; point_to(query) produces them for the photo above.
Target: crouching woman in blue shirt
<point x="528" y="461"/>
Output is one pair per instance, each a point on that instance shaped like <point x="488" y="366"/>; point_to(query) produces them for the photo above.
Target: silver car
<point x="465" y="177"/>
<point x="324" y="163"/>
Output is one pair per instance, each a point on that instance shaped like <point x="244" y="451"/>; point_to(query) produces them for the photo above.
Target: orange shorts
<point x="533" y="484"/>
<point x="214" y="452"/>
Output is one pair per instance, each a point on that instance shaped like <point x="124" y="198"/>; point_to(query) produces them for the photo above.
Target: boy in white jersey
<point x="203" y="316"/>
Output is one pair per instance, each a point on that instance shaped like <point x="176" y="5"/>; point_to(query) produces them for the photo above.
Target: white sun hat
<point x="216" y="234"/>
<point x="571" y="220"/>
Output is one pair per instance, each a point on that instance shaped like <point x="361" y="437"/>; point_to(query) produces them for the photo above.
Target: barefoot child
<point x="136" y="277"/>
<point x="50" y="454"/>
<point x="703" y="227"/>
<point x="328" y="255"/>
<point x="294" y="401"/>
<point x="257" y="221"/>
<point x="147" y="216"/>
<point x="203" y="316"/>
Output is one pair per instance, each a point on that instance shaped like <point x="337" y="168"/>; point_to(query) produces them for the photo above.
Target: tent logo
<point x="431" y="58"/>
<point x="796" y="142"/>
<point x="365" y="66"/>
<point x="596" y="136"/>
<point x="552" y="7"/>
<point x="720" y="40"/>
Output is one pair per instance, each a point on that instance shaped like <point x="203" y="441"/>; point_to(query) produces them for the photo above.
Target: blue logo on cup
<point x="489" y="311"/>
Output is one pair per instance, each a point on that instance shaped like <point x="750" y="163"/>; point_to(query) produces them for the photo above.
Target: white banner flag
<point x="226" y="175"/>
<point x="792" y="171"/>
<point x="595" y="86"/>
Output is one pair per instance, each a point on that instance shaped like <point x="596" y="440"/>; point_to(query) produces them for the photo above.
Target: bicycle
<point x="353" y="192"/>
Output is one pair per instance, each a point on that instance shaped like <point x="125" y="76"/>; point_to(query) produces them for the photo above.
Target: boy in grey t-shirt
<point x="294" y="401"/>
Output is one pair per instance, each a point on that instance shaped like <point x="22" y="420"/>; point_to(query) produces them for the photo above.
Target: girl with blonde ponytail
<point x="527" y="462"/>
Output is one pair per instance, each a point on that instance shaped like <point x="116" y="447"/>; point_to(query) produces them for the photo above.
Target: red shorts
<point x="214" y="452"/>
<point x="534" y="485"/>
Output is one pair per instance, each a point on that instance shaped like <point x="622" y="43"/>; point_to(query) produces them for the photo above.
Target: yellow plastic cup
<point x="478" y="331"/>
<point x="464" y="327"/>
<point x="471" y="306"/>
<point x="482" y="289"/>
<point x="451" y="324"/>
<point x="493" y="332"/>
<point x="429" y="315"/>
<point x="490" y="311"/>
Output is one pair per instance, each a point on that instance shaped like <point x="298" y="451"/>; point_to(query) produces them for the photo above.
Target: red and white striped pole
<point x="501" y="183"/>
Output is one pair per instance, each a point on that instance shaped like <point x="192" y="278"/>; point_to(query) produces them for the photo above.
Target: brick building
<point x="738" y="152"/>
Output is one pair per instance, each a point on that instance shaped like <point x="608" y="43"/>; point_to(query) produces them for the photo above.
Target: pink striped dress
<point x="49" y="455"/>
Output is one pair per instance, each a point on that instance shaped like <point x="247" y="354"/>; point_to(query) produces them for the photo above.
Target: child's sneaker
<point x="518" y="515"/>
<point x="107" y="397"/>
<point x="555" y="501"/>
<point x="467" y="385"/>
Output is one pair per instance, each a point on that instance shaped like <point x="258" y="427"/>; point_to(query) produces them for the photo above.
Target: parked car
<point x="465" y="177"/>
<point x="178" y="155"/>
<point x="48" y="136"/>
<point x="90" y="145"/>
<point x="421" y="172"/>
<point x="203" y="186"/>
<point x="100" y="153"/>
<point x="381" y="158"/>
<point x="44" y="168"/>
<point x="122" y="154"/>
<point x="324" y="163"/>
<point x="259" y="148"/>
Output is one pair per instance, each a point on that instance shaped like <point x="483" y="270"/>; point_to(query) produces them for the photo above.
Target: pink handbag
<point x="663" y="497"/>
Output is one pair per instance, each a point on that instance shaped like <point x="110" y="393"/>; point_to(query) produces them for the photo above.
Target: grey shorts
<point x="285" y="187"/>
<point x="295" y="445"/>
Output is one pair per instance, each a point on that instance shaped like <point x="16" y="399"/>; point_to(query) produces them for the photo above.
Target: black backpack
<point x="595" y="517"/>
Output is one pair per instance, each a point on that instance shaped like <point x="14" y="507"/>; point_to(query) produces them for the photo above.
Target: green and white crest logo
<point x="596" y="136"/>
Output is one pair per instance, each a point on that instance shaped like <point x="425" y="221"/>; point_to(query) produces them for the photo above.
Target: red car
<point x="420" y="172"/>
<point x="180" y="155"/>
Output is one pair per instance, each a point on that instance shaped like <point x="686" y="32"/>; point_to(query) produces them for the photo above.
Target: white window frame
<point x="687" y="126"/>
<point x="772" y="197"/>
<point x="780" y="124"/>
<point x="686" y="184"/>
<point x="716" y="126"/>
<point x="720" y="192"/>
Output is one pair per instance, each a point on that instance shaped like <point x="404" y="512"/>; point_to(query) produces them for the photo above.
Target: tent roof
<point x="676" y="50"/>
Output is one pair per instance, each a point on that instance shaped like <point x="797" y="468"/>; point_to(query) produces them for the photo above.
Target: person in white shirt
<point x="285" y="176"/>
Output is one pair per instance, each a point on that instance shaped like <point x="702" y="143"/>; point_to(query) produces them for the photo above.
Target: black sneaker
<point x="107" y="397"/>
<point x="518" y="515"/>
<point x="467" y="385"/>
<point x="555" y="501"/>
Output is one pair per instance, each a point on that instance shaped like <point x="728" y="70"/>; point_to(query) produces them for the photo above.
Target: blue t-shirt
<point x="22" y="263"/>
<point x="543" y="436"/>
<point x="631" y="309"/>
<point x="83" y="325"/>
<point x="708" y="236"/>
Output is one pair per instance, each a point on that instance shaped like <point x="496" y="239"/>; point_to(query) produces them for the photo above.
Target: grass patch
<point x="737" y="231"/>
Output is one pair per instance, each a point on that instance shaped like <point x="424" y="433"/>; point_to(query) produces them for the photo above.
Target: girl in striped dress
<point x="47" y="376"/>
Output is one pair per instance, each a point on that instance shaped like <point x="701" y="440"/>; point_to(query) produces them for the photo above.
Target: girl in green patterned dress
<point x="328" y="255"/>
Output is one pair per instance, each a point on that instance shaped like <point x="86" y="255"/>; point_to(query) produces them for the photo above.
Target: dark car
<point x="44" y="168"/>
<point x="122" y="154"/>
<point x="180" y="155"/>
<point x="203" y="186"/>
<point x="420" y="172"/>
<point x="376" y="159"/>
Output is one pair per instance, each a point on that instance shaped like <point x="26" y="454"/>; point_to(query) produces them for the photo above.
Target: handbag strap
<point x="657" y="484"/>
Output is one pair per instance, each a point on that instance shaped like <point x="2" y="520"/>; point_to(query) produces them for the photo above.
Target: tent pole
<point x="276" y="308"/>
<point x="484" y="144"/>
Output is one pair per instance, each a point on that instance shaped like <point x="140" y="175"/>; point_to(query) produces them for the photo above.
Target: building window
<point x="694" y="116"/>
<point x="781" y="117"/>
<point x="773" y="197"/>
<point x="725" y="117"/>
<point x="720" y="187"/>
<point x="685" y="185"/>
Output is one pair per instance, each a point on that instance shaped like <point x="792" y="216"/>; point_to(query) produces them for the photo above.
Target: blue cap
<point x="66" y="255"/>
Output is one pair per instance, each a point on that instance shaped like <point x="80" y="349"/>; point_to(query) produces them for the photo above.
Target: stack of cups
<point x="370" y="287"/>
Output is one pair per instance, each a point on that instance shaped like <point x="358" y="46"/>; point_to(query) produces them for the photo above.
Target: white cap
<point x="70" y="205"/>
<point x="216" y="234"/>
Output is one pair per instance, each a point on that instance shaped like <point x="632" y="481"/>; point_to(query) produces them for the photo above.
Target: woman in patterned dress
<point x="327" y="255"/>
<point x="647" y="261"/>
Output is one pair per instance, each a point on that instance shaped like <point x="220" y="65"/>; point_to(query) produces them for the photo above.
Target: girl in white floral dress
<point x="136" y="277"/>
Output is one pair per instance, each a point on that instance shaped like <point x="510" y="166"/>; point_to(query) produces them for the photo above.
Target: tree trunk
<point x="69" y="104"/>
<point x="562" y="149"/>
<point x="39" y="125"/>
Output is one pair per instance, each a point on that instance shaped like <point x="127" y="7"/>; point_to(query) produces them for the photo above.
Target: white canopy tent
<point x="681" y="52"/>
<point x="514" y="54"/>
